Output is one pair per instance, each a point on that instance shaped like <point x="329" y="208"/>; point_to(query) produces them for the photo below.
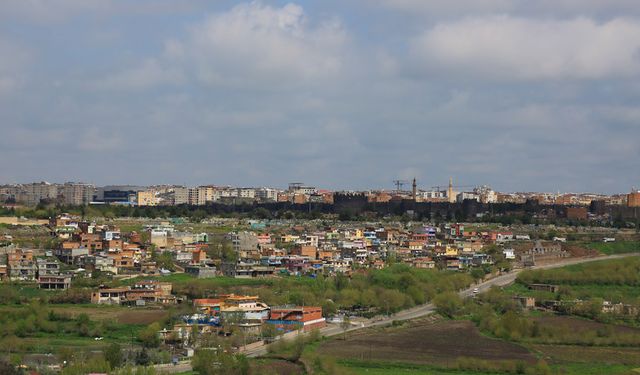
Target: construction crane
<point x="399" y="184"/>
<point x="437" y="188"/>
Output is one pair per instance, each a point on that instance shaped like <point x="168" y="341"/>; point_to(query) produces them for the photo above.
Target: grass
<point x="179" y="279"/>
<point x="610" y="248"/>
<point x="399" y="368"/>
<point x="615" y="293"/>
<point x="592" y="369"/>
<point x="611" y="355"/>
<point x="393" y="368"/>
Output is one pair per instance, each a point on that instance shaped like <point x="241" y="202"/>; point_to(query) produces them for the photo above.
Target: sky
<point x="341" y="94"/>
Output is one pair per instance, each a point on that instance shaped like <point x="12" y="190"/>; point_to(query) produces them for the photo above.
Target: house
<point x="21" y="265"/>
<point x="309" y="251"/>
<point x="244" y="312"/>
<point x="526" y="302"/>
<point x="140" y="293"/>
<point x="504" y="237"/>
<point x="98" y="262"/>
<point x="509" y="254"/>
<point x="68" y="254"/>
<point x="544" y="287"/>
<point x="424" y="262"/>
<point x="201" y="271"/>
<point x="92" y="241"/>
<point x="54" y="282"/>
<point x="109" y="296"/>
<point x="47" y="267"/>
<point x="292" y="318"/>
<point x="246" y="269"/>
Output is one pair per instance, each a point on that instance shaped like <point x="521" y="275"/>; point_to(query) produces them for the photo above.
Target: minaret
<point x="450" y="192"/>
<point x="415" y="189"/>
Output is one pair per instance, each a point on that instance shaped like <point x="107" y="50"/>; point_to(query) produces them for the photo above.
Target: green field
<point x="396" y="368"/>
<point x="399" y="368"/>
<point x="613" y="293"/>
<point x="611" y="248"/>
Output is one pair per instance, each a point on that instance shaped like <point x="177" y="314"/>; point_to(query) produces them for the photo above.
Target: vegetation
<point x="214" y="362"/>
<point x="618" y="247"/>
<point x="609" y="272"/>
<point x="472" y="367"/>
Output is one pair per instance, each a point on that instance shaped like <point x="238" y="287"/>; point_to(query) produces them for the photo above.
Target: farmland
<point x="458" y="347"/>
<point x="618" y="247"/>
<point x="441" y="343"/>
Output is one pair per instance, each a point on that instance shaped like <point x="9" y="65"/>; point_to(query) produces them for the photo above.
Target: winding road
<point x="427" y="309"/>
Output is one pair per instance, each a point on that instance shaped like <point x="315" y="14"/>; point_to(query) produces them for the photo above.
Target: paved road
<point x="427" y="309"/>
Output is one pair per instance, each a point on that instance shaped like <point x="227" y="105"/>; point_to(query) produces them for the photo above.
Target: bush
<point x="149" y="336"/>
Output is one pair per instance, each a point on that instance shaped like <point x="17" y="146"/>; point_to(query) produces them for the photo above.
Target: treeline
<point x="503" y="213"/>
<point x="612" y="272"/>
<point x="368" y="291"/>
<point x="497" y="314"/>
<point x="35" y="319"/>
<point x="10" y="294"/>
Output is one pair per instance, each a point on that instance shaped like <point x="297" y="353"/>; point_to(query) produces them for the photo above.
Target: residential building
<point x="292" y="318"/>
<point x="47" y="267"/>
<point x="147" y="198"/>
<point x="180" y="195"/>
<point x="140" y="293"/>
<point x="77" y="193"/>
<point x="21" y="265"/>
<point x="633" y="199"/>
<point x="54" y="282"/>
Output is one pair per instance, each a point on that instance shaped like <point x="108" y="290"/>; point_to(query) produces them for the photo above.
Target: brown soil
<point x="440" y="343"/>
<point x="123" y="316"/>
<point x="141" y="317"/>
<point x="579" y="251"/>
<point x="578" y="325"/>
<point x="280" y="367"/>
<point x="590" y="354"/>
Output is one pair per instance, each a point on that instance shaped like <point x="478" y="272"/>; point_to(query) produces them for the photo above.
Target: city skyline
<point x="341" y="94"/>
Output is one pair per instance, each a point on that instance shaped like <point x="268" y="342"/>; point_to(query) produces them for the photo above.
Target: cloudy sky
<point x="342" y="94"/>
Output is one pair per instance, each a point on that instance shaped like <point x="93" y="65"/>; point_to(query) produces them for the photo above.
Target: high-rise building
<point x="77" y="193"/>
<point x="180" y="195"/>
<point x="633" y="198"/>
<point x="34" y="193"/>
<point x="267" y="194"/>
<point x="147" y="198"/>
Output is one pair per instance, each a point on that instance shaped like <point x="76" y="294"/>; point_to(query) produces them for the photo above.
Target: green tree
<point x="448" y="304"/>
<point x="149" y="336"/>
<point x="142" y="358"/>
<point x="8" y="369"/>
<point x="113" y="355"/>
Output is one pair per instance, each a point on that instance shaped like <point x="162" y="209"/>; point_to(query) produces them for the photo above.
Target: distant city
<point x="78" y="194"/>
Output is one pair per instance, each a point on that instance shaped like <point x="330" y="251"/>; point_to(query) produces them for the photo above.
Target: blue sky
<point x="347" y="94"/>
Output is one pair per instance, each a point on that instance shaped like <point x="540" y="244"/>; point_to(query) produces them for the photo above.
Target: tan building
<point x="633" y="199"/>
<point x="147" y="198"/>
<point x="77" y="194"/>
<point x="305" y="251"/>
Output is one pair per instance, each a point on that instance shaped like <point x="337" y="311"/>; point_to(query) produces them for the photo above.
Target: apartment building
<point x="180" y="195"/>
<point x="77" y="193"/>
<point x="147" y="198"/>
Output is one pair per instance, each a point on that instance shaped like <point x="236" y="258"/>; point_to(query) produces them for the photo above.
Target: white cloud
<point x="258" y="43"/>
<point x="505" y="47"/>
